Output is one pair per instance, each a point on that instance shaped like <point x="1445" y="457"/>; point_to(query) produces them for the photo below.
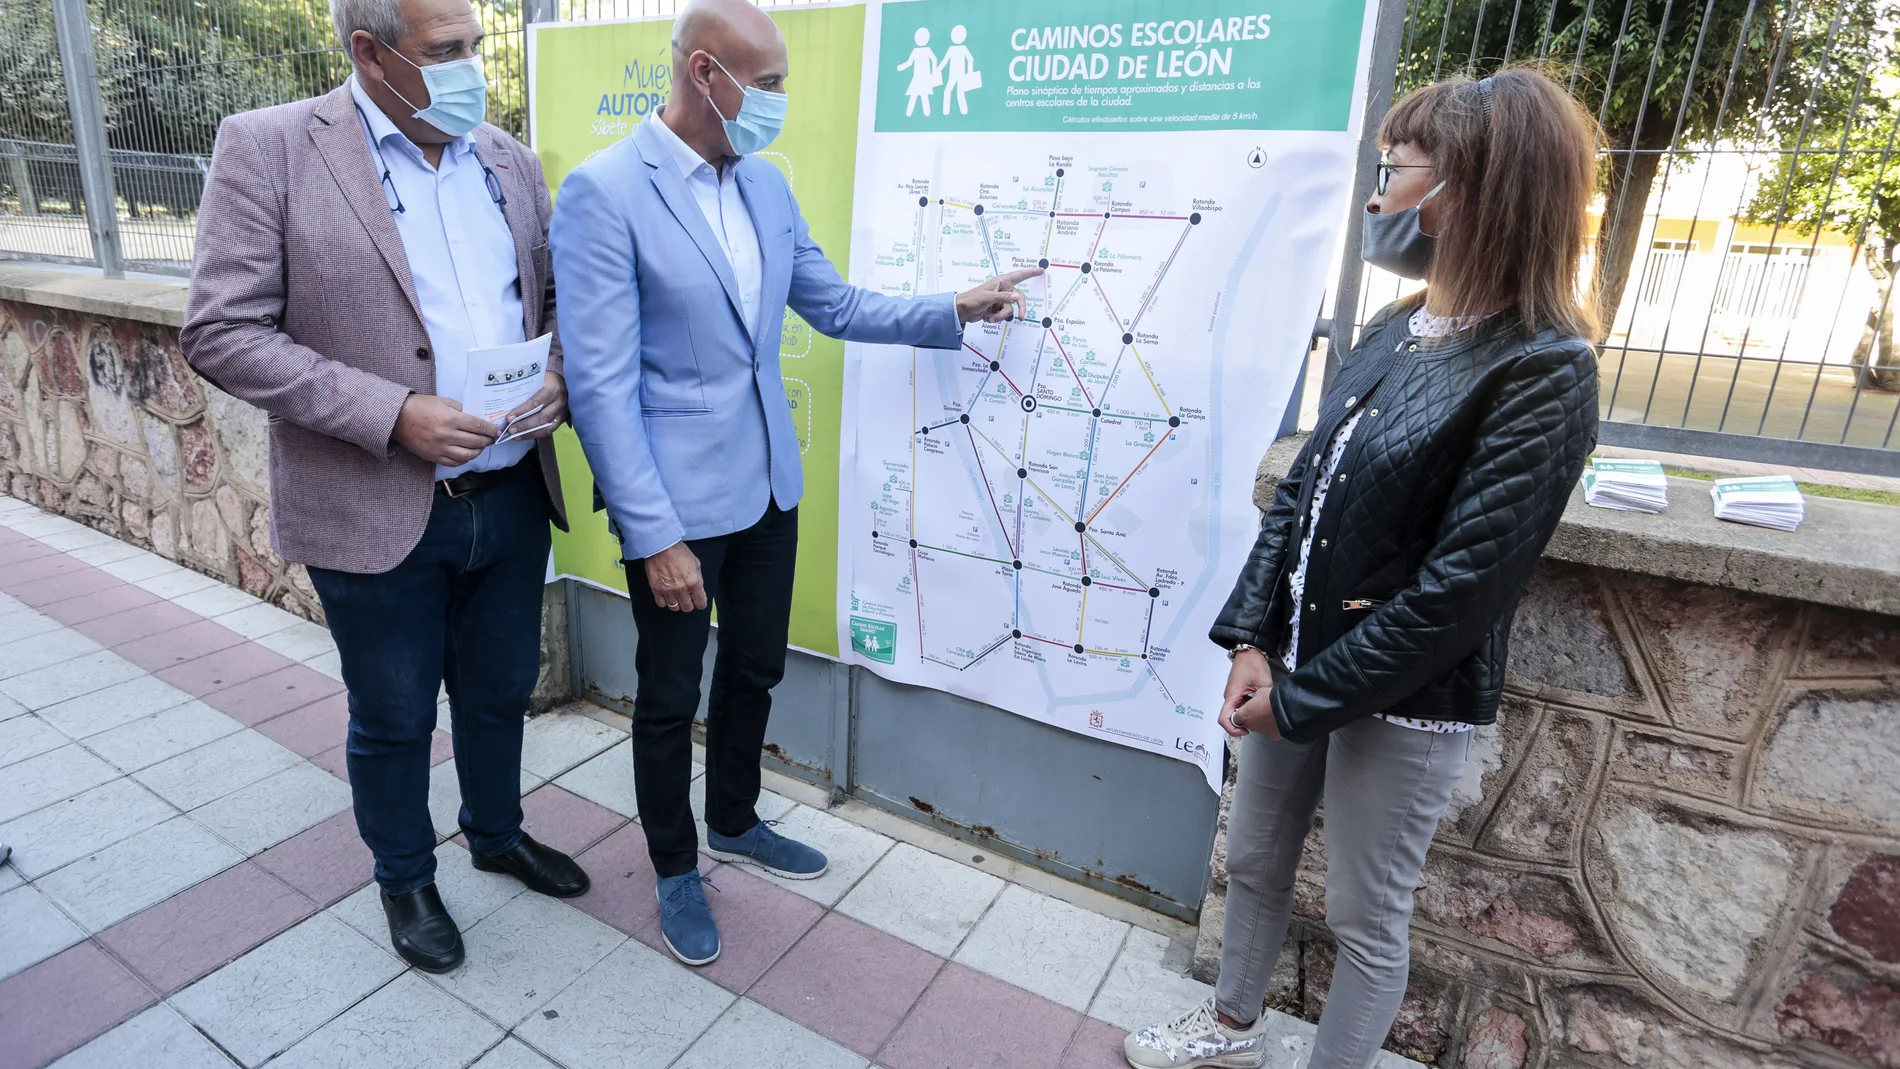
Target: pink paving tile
<point x="205" y="926"/>
<point x="257" y="700"/>
<point x="132" y="624"/>
<point x="64" y="1001"/>
<point x="321" y="725"/>
<point x="326" y="862"/>
<point x="335" y="761"/>
<point x="163" y="650"/>
<point x="441" y="747"/>
<point x="566" y="821"/>
<point x="100" y="603"/>
<point x="965" y="1018"/>
<point x="72" y="584"/>
<point x="848" y="982"/>
<point x="227" y="667"/>
<point x="1097" y="1045"/>
<point x="758" y="923"/>
<point x="622" y="891"/>
<point x="34" y="565"/>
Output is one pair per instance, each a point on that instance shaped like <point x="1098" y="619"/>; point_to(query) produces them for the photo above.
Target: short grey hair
<point x="382" y="18"/>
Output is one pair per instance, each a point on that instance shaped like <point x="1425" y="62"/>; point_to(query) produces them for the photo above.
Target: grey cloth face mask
<point x="1393" y="242"/>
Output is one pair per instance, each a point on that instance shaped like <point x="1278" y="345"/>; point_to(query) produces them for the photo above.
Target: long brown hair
<point x="1518" y="185"/>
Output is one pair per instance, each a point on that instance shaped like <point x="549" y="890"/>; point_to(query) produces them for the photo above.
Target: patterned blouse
<point x="1422" y="325"/>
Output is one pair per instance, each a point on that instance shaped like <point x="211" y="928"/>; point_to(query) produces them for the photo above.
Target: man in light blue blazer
<point x="676" y="252"/>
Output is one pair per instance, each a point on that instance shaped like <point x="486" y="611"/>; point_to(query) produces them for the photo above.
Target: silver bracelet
<point x="1238" y="646"/>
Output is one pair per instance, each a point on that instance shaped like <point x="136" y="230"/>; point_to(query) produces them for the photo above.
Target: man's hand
<point x="996" y="300"/>
<point x="673" y="576"/>
<point x="437" y="430"/>
<point x="1245" y="707"/>
<point x="552" y="397"/>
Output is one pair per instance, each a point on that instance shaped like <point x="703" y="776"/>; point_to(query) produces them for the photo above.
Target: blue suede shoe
<point x="686" y="922"/>
<point x="768" y="850"/>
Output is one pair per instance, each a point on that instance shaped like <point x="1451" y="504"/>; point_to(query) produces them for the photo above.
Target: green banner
<point x="1082" y="65"/>
<point x="592" y="83"/>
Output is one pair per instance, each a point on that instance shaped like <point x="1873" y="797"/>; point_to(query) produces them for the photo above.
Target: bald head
<point x="710" y="35"/>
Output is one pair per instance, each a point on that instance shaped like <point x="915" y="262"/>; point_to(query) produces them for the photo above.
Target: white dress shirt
<point x="719" y="200"/>
<point x="461" y="255"/>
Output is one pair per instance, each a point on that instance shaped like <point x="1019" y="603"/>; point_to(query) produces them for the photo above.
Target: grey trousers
<point x="1384" y="787"/>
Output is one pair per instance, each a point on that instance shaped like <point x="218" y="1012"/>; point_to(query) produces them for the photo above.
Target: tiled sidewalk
<point x="187" y="888"/>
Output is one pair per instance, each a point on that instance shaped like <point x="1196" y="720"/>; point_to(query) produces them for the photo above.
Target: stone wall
<point x="1680" y="846"/>
<point x="103" y="421"/>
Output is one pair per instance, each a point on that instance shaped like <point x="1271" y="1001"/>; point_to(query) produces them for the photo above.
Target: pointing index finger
<point x="1011" y="278"/>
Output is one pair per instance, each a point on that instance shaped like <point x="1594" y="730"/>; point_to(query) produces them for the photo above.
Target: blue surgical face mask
<point x="458" y="93"/>
<point x="759" y="120"/>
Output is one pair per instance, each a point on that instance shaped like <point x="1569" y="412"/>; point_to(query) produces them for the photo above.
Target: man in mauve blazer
<point x="678" y="250"/>
<point x="352" y="250"/>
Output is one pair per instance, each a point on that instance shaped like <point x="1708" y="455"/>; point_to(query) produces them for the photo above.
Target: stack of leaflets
<point x="1763" y="500"/>
<point x="1629" y="485"/>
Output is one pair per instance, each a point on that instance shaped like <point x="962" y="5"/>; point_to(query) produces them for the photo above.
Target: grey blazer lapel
<point x="523" y="223"/>
<point x="673" y="191"/>
<point x="338" y="133"/>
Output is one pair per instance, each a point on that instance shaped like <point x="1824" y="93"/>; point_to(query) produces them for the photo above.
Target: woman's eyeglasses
<point x="1386" y="169"/>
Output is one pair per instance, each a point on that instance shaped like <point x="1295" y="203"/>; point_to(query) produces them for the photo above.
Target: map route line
<point x="984" y="473"/>
<point x="1088" y="465"/>
<point x="992" y="649"/>
<point x="1126" y="570"/>
<point x="1106" y="303"/>
<point x="1130" y="589"/>
<point x="1072" y="372"/>
<point x="1099" y="231"/>
<point x="1148" y="298"/>
<point x="1143" y="365"/>
<point x="1157" y="675"/>
<point x="1132" y="472"/>
<point x="960" y="553"/>
<point x="996" y="360"/>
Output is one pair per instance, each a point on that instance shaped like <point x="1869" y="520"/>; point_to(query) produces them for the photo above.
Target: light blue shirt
<point x="719" y="200"/>
<point x="461" y="255"/>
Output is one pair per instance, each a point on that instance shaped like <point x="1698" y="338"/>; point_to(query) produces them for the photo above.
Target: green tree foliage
<point x="1665" y="73"/>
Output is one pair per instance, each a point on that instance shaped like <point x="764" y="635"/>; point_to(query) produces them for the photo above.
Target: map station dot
<point x="873" y="534"/>
<point x="1087" y="581"/>
<point x="1048" y="322"/>
<point x="1086" y="268"/>
<point x="1042" y="263"/>
<point x="964" y="418"/>
<point x="1016" y="564"/>
<point x="1022" y="473"/>
<point x="1154" y="591"/>
<point x="1080" y="526"/>
<point x="995" y="366"/>
<point x="1014" y="633"/>
<point x="1195" y="219"/>
<point x="1174" y="421"/>
<point x="1097" y="413"/>
<point x="979" y="209"/>
<point x="1058" y="172"/>
<point x="923" y="202"/>
<point x="1104" y="215"/>
<point x="913" y="543"/>
<point x="1052" y="215"/>
<point x="1128" y="339"/>
<point x="1078" y="647"/>
<point x="1029" y="404"/>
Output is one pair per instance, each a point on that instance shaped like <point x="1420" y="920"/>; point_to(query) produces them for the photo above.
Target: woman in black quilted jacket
<point x="1368" y="627"/>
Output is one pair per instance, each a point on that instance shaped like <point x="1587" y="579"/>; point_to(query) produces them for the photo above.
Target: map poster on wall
<point x="1048" y="518"/>
<point x="591" y="84"/>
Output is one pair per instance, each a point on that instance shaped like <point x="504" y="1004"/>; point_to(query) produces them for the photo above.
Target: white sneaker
<point x="1195" y="1039"/>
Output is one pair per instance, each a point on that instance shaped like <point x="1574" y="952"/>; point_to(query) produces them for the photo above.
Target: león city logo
<point x="955" y="72"/>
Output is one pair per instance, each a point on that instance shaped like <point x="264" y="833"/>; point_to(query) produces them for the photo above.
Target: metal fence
<point x="1746" y="236"/>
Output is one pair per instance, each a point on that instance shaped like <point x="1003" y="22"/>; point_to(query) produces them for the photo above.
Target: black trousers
<point x="748" y="577"/>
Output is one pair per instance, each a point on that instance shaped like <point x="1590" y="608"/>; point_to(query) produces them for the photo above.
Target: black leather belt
<point x="474" y="482"/>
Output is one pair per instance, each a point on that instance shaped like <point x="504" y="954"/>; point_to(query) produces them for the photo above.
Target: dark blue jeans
<point x="464" y="608"/>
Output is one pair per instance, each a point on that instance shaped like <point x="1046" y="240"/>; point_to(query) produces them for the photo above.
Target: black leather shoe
<point x="422" y="930"/>
<point x="542" y="868"/>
